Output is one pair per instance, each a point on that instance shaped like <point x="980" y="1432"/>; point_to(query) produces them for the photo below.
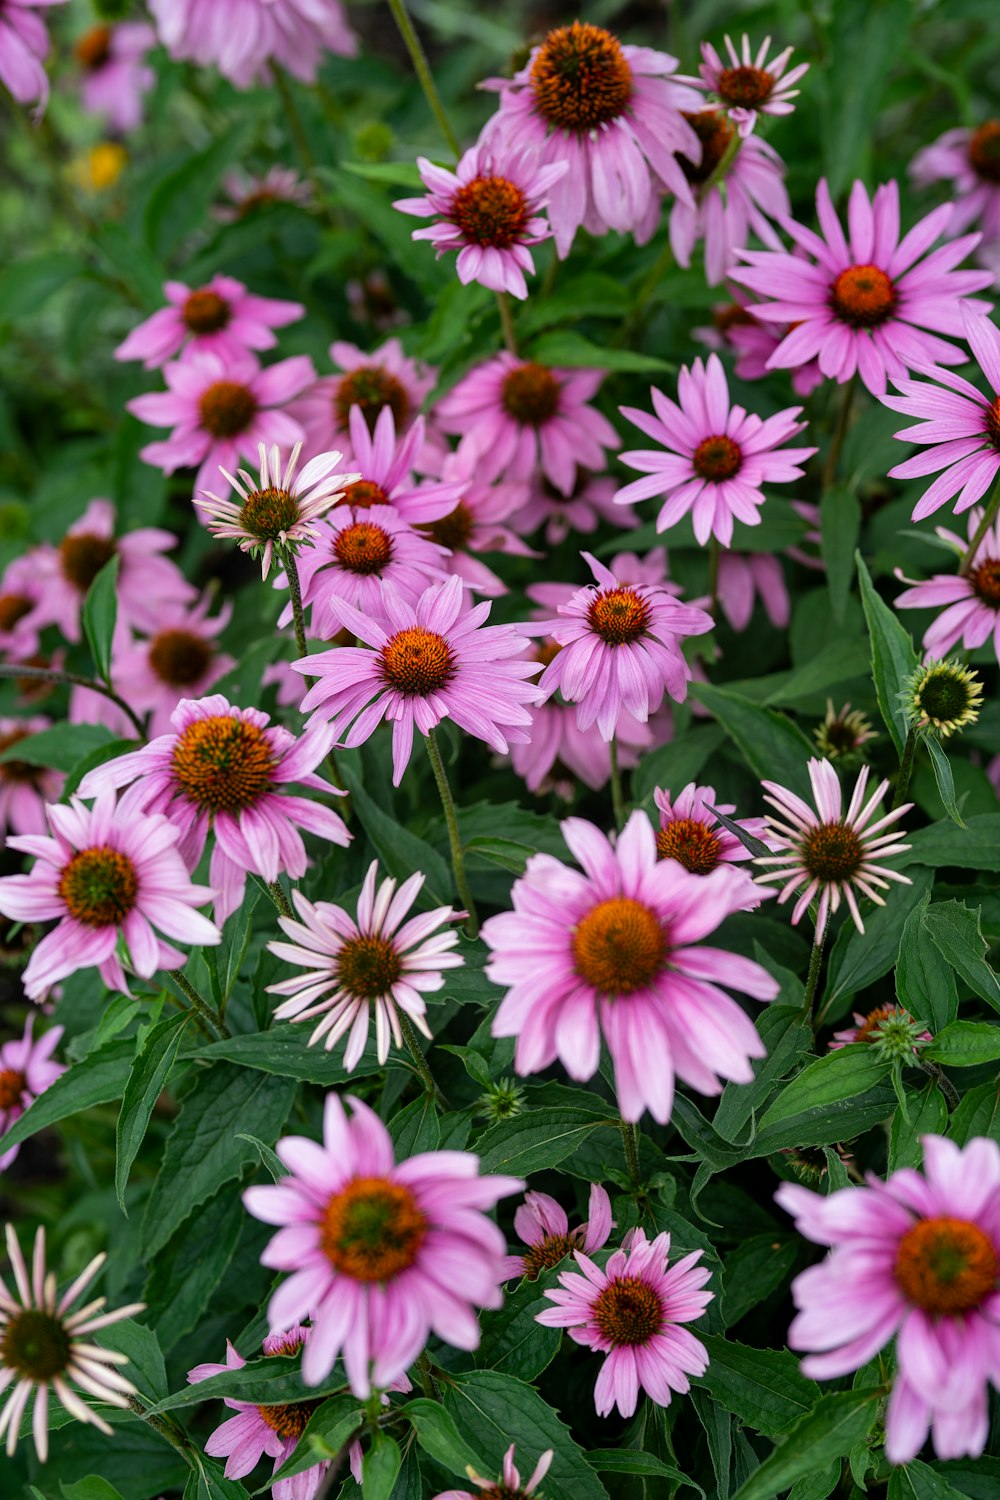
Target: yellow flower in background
<point x="99" y="168"/>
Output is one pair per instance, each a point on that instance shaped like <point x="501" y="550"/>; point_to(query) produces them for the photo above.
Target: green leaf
<point x="787" y="1039"/>
<point x="975" y="1477"/>
<point x="404" y="174"/>
<point x="512" y="1341"/>
<point x="145" y="1357"/>
<point x="928" y="1115"/>
<point x="330" y="1427"/>
<point x="772" y="746"/>
<point x="978" y="1114"/>
<point x="272" y="1380"/>
<point x="438" y="1436"/>
<point x="824" y="1086"/>
<point x="535" y="1140"/>
<point x="91" y="1488"/>
<point x="573" y="351"/>
<point x="590" y="294"/>
<point x="925" y="981"/>
<point x="210" y="1482"/>
<point x="27" y="285"/>
<point x="181" y="200"/>
<point x="755" y="1269"/>
<point x="381" y="1465"/>
<point x="62" y="747"/>
<point x="399" y="850"/>
<point x="285" y="1052"/>
<point x="149" y="1074"/>
<point x="859" y="958"/>
<point x="635" y="1461"/>
<point x="136" y="1460"/>
<point x="974" y="847"/>
<point x="415" y="1128"/>
<point x="268" y="1158"/>
<point x="955" y="931"/>
<point x="942" y="775"/>
<point x="672" y="766"/>
<point x="99" y="615"/>
<point x="827" y="1432"/>
<point x="965" y="1044"/>
<point x="840" y="520"/>
<point x="503" y="852"/>
<point x="839" y="661"/>
<point x="184" y="1276"/>
<point x="917" y="1481"/>
<point x="762" y="1386"/>
<point x="893" y="657"/>
<point x="100" y="1078"/>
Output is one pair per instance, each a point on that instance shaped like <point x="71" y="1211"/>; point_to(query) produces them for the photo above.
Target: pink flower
<point x="21" y="594"/>
<point x="913" y="1258"/>
<point x="690" y="833"/>
<point x="386" y="463"/>
<point x="26" y="1070"/>
<point x="24" y="788"/>
<point x="220" y="318"/>
<point x="589" y="502"/>
<point x="353" y="968"/>
<point x="828" y="853"/>
<point x="632" y="1311"/>
<point x="248" y="192"/>
<point x="24" y="46"/>
<point x="431" y="658"/>
<point x="490" y="212"/>
<point x="969" y="162"/>
<point x="384" y="378"/>
<point x="862" y="304"/>
<point x="959" y="425"/>
<point x="613" y="113"/>
<point x="718" y="456"/>
<point x="382" y="1253"/>
<point x="181" y="660"/>
<point x="509" y="1483"/>
<point x="754" y="342"/>
<point x="746" y="575"/>
<point x="516" y="415"/>
<point x="542" y="1225"/>
<point x="621" y="649"/>
<point x="867" y="1028"/>
<point x="226" y="771"/>
<point x="241" y="37"/>
<point x="115" y="73"/>
<point x="971" y="598"/>
<point x="106" y="876"/>
<point x="560" y="753"/>
<point x="747" y="86"/>
<point x="737" y="192"/>
<point x="221" y="410"/>
<point x="478" y="523"/>
<point x="611" y="951"/>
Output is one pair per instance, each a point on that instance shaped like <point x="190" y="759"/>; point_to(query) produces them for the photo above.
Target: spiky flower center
<point x="992" y="422"/>
<point x="453" y="530"/>
<point x="17" y="770"/>
<point x="226" y="408"/>
<point x="490" y="211"/>
<point x="863" y="296"/>
<point x="417" y="662"/>
<point x="546" y="1253"/>
<point x="717" y="458"/>
<point x="35" y="1345"/>
<point x="93" y="49"/>
<point x="12" y="1086"/>
<point x="745" y="87"/>
<point x="13" y="607"/>
<point x="619" y="616"/>
<point x="269" y="514"/>
<point x="530" y="394"/>
<point x="629" y="1311"/>
<point x="368" y="966"/>
<point x="82" y="557"/>
<point x="371" y="387"/>
<point x="985" y="580"/>
<point x="372" y="1230"/>
<point x="945" y="698"/>
<point x="984" y="152"/>
<point x="501" y="1491"/>
<point x="290" y="1421"/>
<point x="100" y="886"/>
<point x="868" y="1031"/>
<point x="716" y="135"/>
<point x="179" y="657"/>
<point x="363" y="548"/>
<point x="223" y="764"/>
<point x="946" y="1266"/>
<point x="205" y="312"/>
<point x="580" y="78"/>
<point x="832" y="852"/>
<point x="364" y="493"/>
<point x="619" y="946"/>
<point x="841" y="735"/>
<point x="692" y="843"/>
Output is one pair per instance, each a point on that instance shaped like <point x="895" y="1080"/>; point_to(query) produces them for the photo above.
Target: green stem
<point x="421" y="67"/>
<point x="199" y="1005"/>
<point x="419" y="1055"/>
<point x="653" y="277"/>
<point x="165" y="1428"/>
<point x="454" y="841"/>
<point x="812" y="979"/>
<point x="840" y="433"/>
<point x="73" y="679"/>
<point x="617" y="794"/>
<point x="630" y="1141"/>
<point x="905" y="768"/>
<point x="295" y="594"/>
<point x="951" y="1097"/>
<point x="294" y="119"/>
<point x="507" y="322"/>
<point x="428" y="1384"/>
<point x="986" y="521"/>
<point x="276" y="892"/>
<point x="714" y="560"/>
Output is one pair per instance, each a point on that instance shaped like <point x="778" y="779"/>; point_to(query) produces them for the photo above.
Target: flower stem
<point x="630" y="1140"/>
<point x="295" y="594"/>
<point x="419" y="1055"/>
<point x="73" y="679"/>
<point x="507" y="322"/>
<point x="905" y="769"/>
<point x="454" y="841"/>
<point x="294" y="118"/>
<point x="421" y="67"/>
<point x="986" y="521"/>
<point x="165" y="1427"/>
<point x="812" y="979"/>
<point x="281" y="901"/>
<point x="951" y="1097"/>
<point x="840" y="433"/>
<point x="714" y="560"/>
<point x="201" y="1007"/>
<point x="428" y="1384"/>
<point x="617" y="794"/>
<point x="653" y="277"/>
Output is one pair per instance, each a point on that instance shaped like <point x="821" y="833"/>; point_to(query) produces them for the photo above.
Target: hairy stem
<point x="617" y="794"/>
<point x="419" y="1056"/>
<point x="454" y="841"/>
<point x="72" y="679"/>
<point x="905" y="769"/>
<point x="281" y="901"/>
<point x="165" y="1428"/>
<point x="951" y="1096"/>
<point x="839" y="434"/>
<point x="812" y="979"/>
<point x="507" y="322"/>
<point x="199" y="1005"/>
<point x="630" y="1141"/>
<point x="295" y="595"/>
<point x="422" y="68"/>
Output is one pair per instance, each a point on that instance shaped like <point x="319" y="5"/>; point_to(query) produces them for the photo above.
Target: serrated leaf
<point x="918" y="1481"/>
<point x="636" y="1461"/>
<point x="974" y="847"/>
<point x="149" y="1074"/>
<point x="145" y="1367"/>
<point x="535" y="1140"/>
<point x="857" y="959"/>
<point x="928" y="1115"/>
<point x="828" y="1432"/>
<point x="893" y="657"/>
<point x="285" y="1052"/>
<point x="99" y="615"/>
<point x="762" y="1386"/>
<point x="91" y="1488"/>
<point x="272" y="1380"/>
<point x="399" y="850"/>
<point x="673" y="765"/>
<point x="185" y="1274"/>
<point x="840" y="518"/>
<point x="268" y="1158"/>
<point x="571" y="350"/>
<point x="98" y="1079"/>
<point x="438" y="1436"/>
<point x="330" y="1427"/>
<point x="941" y="767"/>
<point x="753" y="1270"/>
<point x="955" y="931"/>
<point x="512" y="1341"/>
<point x="415" y="1128"/>
<point x="965" y="1044"/>
<point x="925" y="981"/>
<point x="506" y="853"/>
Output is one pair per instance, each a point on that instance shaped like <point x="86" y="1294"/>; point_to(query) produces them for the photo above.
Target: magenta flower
<point x="753" y="343"/>
<point x="478" y="523"/>
<point x="228" y="771"/>
<point x="971" y="598"/>
<point x="384" y="378"/>
<point x="863" y="304"/>
<point x="107" y="875"/>
<point x="382" y="1253"/>
<point x="375" y="963"/>
<point x="221" y="410"/>
<point x="744" y="576"/>
<point x="181" y="660"/>
<point x="829" y="854"/>
<point x="517" y="415"/>
<point x="611" y="951"/>
<point x="431" y="658"/>
<point x="220" y="318"/>
<point x="508" y="1485"/>
<point x="24" y="46"/>
<point x="542" y="1225"/>
<point x="116" y="77"/>
<point x="736" y="194"/>
<point x="632" y="1311"/>
<point x="969" y="161"/>
<point x="247" y="191"/>
<point x="490" y="212"/>
<point x="386" y="463"/>
<point x="354" y="551"/>
<point x="621" y="649"/>
<point x="24" y="788"/>
<point x="26" y="1070"/>
<point x="959" y="425"/>
<point x="21" y="594"/>
<point x="718" y="456"/>
<point x="690" y="833"/>
<point x="588" y="503"/>
<point x="242" y="37"/>
<point x="915" y="1258"/>
<point x="613" y="113"/>
<point x="560" y="753"/>
<point x="747" y="86"/>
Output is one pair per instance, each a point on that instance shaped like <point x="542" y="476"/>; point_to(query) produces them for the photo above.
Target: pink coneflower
<point x="247" y="192"/>
<point x="44" y="1346"/>
<point x="560" y="754"/>
<point x="542" y="1225"/>
<point x="863" y="304"/>
<point x="386" y="463"/>
<point x="843" y="734"/>
<point x="508" y="1485"/>
<point x="478" y="523"/>
<point x="611" y="951"/>
<point x="868" y="1028"/>
<point x="718" y="456"/>
<point x="969" y="161"/>
<point x="242" y="37"/>
<point x="828" y="854"/>
<point x="959" y="424"/>
<point x="24" y="46"/>
<point x="181" y="660"/>
<point x="621" y="648"/>
<point x="26" y="1070"/>
<point x="354" y="967"/>
<point x="229" y="771"/>
<point x="744" y="576"/>
<point x="971" y="599"/>
<point x="24" y="788"/>
<point x="384" y="378"/>
<point x="690" y="832"/>
<point x="517" y="415"/>
<point x="753" y="343"/>
<point x="915" y="1257"/>
<point x="627" y="567"/>
<point x="612" y="112"/>
<point x="431" y="658"/>
<point x="108" y="875"/>
<point x="739" y="188"/>
<point x="21" y="593"/>
<point x="116" y="77"/>
<point x="747" y="86"/>
<point x="588" y="503"/>
<point x="220" y="318"/>
<point x="632" y="1311"/>
<point x="383" y="1253"/>
<point x="221" y="410"/>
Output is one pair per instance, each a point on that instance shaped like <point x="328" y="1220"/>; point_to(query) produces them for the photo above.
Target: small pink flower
<point x="116" y="77"/>
<point x="971" y="599"/>
<point x="542" y="1225"/>
<point x="747" y="86"/>
<point x="24" y="788"/>
<point x="561" y="754"/>
<point x="612" y="951"/>
<point x="718" y="457"/>
<point x="26" y="1070"/>
<point x="866" y="1028"/>
<point x="181" y="660"/>
<point x="753" y="343"/>
<point x="862" y="304"/>
<point x="242" y="37"/>
<point x="247" y="192"/>
<point x="384" y="378"/>
<point x="589" y="502"/>
<point x="376" y="1296"/>
<point x="690" y="832"/>
<point x="21" y="595"/>
<point x="736" y="195"/>
<point x="106" y="876"/>
<point x="969" y="161"/>
<point x="914" y="1258"/>
<point x="220" y="318"/>
<point x="746" y="575"/>
<point x="517" y="415"/>
<point x="386" y="463"/>
<point x="479" y="523"/>
<point x="508" y="1485"/>
<point x="24" y="46"/>
<point x="632" y="1311"/>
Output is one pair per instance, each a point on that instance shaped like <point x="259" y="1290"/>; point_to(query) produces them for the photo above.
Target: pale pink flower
<point x="376" y="1298"/>
<point x="867" y="304"/>
<point x="247" y="192"/>
<point x="970" y="599"/>
<point x="914" y="1258"/>
<point x="560" y="754"/>
<point x="747" y="85"/>
<point x="736" y="194"/>
<point x="243" y="37"/>
<point x="744" y="576"/>
<point x="386" y="377"/>
<point x="26" y="1070"/>
<point x="612" y="951"/>
<point x="690" y="832"/>
<point x="21" y="594"/>
<point x="541" y="1224"/>
<point x="589" y="502"/>
<point x="969" y="162"/>
<point x="116" y="75"/>
<point x="753" y="343"/>
<point x="479" y="523"/>
<point x="866" y="1027"/>
<point x="24" y="788"/>
<point x="106" y="876"/>
<point x="24" y="46"/>
<point x="633" y="1312"/>
<point x="220" y="318"/>
<point x="509" y="1483"/>
<point x="182" y="660"/>
<point x="714" y="457"/>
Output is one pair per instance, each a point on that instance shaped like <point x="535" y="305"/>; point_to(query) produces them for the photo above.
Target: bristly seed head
<point x="363" y="548"/>
<point x="35" y="1346"/>
<point x="943" y="696"/>
<point x="716" y="134"/>
<point x="226" y="408"/>
<point x="530" y="394"/>
<point x="992" y="421"/>
<point x="372" y="1230"/>
<point x="453" y="530"/>
<point x="269" y="514"/>
<point x="417" y="662"/>
<point x="717" y="459"/>
<point x="371" y="387"/>
<point x="619" y="615"/>
<point x="745" y="87"/>
<point x="691" y="842"/>
<point x="289" y="1421"/>
<point x="205" y="312"/>
<point x="82" y="557"/>
<point x="984" y="152"/>
<point x="619" y="946"/>
<point x="13" y="607"/>
<point x="490" y="211"/>
<point x="843" y="734"/>
<point x="546" y="1253"/>
<point x="629" y="1311"/>
<point x="863" y="296"/>
<point x="832" y="852"/>
<point x="946" y="1266"/>
<point x="99" y="886"/>
<point x="93" y="49"/>
<point x="368" y="966"/>
<point x="985" y="580"/>
<point x="18" y="770"/>
<point x="580" y="78"/>
<point x="223" y="764"/>
<point x="179" y="657"/>
<point x="12" y="1086"/>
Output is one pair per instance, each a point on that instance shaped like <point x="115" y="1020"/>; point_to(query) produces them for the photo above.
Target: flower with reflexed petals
<point x="942" y="697"/>
<point x="690" y="832"/>
<point x="969" y="161"/>
<point x="971" y="598"/>
<point x="26" y="1070"/>
<point x="24" y="788"/>
<point x="244" y="37"/>
<point x="508" y="1486"/>
<point x="24" y="46"/>
<point x="739" y="189"/>
<point x="843" y="734"/>
<point x="354" y="551"/>
<point x="220" y="318"/>
<point x="747" y="86"/>
<point x="542" y="1224"/>
<point x="385" y="378"/>
<point x="45" y="1346"/>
